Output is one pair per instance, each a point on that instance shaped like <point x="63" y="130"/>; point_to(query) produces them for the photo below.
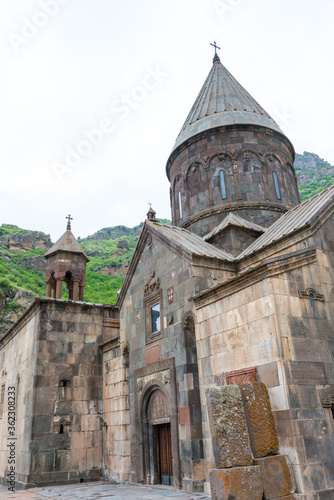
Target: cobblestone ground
<point x="103" y="491"/>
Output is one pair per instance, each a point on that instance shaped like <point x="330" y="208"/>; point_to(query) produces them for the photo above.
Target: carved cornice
<point x="305" y="294"/>
<point x="159" y="366"/>
<point x="110" y="344"/>
<point x="203" y="135"/>
<point x="232" y="207"/>
<point x="111" y="323"/>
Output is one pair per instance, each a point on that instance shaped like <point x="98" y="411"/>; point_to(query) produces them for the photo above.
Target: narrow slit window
<point x="222" y="184"/>
<point x="312" y="300"/>
<point x="278" y="193"/>
<point x="155" y="316"/>
<point x="180" y="205"/>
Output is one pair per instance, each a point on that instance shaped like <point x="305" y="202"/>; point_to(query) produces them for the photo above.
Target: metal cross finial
<point x="150" y="205"/>
<point x="215" y="46"/>
<point x="69" y="218"/>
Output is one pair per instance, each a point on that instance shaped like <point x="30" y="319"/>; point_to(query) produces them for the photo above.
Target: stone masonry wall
<point x="116" y="432"/>
<point x="67" y="416"/>
<point x="248" y="157"/>
<point x="273" y="332"/>
<point x="18" y="356"/>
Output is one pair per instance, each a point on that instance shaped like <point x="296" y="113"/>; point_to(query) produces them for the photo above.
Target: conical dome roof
<point x="222" y="101"/>
<point x="66" y="243"/>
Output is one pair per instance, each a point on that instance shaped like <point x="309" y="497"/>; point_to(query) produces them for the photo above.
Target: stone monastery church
<point x="214" y="371"/>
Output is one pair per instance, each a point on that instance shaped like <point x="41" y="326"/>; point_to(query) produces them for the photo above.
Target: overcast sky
<point x="94" y="93"/>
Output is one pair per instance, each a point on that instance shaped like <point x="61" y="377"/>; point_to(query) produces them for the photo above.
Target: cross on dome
<point x="216" y="58"/>
<point x="69" y="218"/>
<point x="215" y="46"/>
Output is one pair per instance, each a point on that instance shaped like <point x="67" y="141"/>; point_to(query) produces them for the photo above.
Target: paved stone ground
<point x="103" y="491"/>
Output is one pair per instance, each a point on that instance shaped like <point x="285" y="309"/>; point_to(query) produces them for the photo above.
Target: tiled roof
<point x="299" y="216"/>
<point x="223" y="101"/>
<point x="234" y="220"/>
<point x="66" y="243"/>
<point x="191" y="242"/>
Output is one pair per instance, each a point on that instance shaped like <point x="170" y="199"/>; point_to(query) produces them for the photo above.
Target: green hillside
<point x="22" y="265"/>
<point x="313" y="173"/>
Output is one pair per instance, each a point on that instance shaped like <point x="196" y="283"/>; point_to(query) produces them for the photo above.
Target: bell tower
<point x="229" y="157"/>
<point x="66" y="261"/>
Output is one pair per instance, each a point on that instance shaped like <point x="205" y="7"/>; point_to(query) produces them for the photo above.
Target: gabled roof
<point x="298" y="217"/>
<point x="177" y="239"/>
<point x="233" y="220"/>
<point x="190" y="242"/>
<point x="66" y="243"/>
<point x="223" y="101"/>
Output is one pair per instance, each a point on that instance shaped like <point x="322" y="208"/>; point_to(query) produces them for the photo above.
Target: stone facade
<point x="268" y="321"/>
<point x="167" y="360"/>
<point x="55" y="368"/>
<point x="248" y="157"/>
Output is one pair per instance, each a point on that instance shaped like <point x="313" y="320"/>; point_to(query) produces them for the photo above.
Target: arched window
<point x="278" y="193"/>
<point x="312" y="297"/>
<point x="222" y="184"/>
<point x="180" y="205"/>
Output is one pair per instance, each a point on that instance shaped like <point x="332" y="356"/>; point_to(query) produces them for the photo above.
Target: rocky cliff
<point x="313" y="174"/>
<point x="26" y="241"/>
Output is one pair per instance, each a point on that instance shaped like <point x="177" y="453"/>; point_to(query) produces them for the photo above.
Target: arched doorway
<point x="157" y="438"/>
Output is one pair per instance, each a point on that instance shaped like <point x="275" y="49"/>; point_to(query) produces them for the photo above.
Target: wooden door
<point x="164" y="454"/>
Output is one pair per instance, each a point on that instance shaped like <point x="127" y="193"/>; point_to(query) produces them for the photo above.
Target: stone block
<point x="260" y="419"/>
<point x="184" y="415"/>
<point x="277" y="481"/>
<point x="152" y="354"/>
<point x="241" y="376"/>
<point x="305" y="373"/>
<point x="326" y="494"/>
<point x="242" y="483"/>
<point x="268" y="374"/>
<point x="229" y="432"/>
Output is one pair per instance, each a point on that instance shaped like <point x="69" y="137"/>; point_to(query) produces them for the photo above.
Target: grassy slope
<point x="313" y="173"/>
<point x="100" y="287"/>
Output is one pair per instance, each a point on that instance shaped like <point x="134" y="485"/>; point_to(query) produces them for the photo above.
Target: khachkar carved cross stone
<point x="152" y="284"/>
<point x="245" y="445"/>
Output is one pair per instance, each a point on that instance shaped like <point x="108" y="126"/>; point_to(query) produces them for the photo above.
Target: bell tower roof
<point x="66" y="243"/>
<point x="66" y="262"/>
<point x="222" y="101"/>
